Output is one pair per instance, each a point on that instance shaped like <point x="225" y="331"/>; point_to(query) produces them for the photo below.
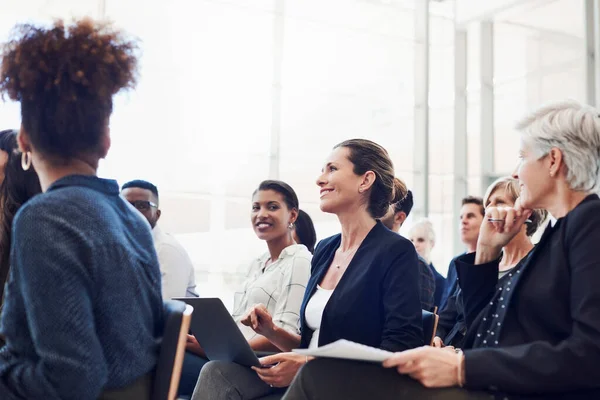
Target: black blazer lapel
<point x="535" y="252"/>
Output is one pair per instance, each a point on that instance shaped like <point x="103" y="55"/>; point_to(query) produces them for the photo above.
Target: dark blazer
<point x="550" y="338"/>
<point x="451" y="325"/>
<point x="426" y="284"/>
<point x="440" y="286"/>
<point x="451" y="284"/>
<point x="376" y="302"/>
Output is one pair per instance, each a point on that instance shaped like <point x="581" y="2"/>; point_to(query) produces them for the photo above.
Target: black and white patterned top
<point x="490" y="328"/>
<point x="279" y="286"/>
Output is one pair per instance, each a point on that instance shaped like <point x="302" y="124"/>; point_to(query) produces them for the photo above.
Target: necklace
<point x="339" y="265"/>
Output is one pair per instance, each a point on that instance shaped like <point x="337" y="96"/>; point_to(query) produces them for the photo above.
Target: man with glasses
<point x="176" y="267"/>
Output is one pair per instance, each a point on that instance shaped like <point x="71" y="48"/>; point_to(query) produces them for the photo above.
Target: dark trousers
<point x="192" y="365"/>
<point x="141" y="389"/>
<point x="329" y="379"/>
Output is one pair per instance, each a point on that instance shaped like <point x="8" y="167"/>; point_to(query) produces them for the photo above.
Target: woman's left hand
<point x="281" y="374"/>
<point x="193" y="346"/>
<point x="433" y="367"/>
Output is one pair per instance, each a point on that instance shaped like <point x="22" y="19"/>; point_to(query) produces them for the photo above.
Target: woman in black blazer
<point x="374" y="303"/>
<point x="364" y="284"/>
<point x="535" y="333"/>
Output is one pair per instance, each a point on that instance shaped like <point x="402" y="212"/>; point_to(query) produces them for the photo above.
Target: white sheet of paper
<point x="347" y="350"/>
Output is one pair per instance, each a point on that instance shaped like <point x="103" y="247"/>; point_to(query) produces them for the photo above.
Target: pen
<point x="527" y="221"/>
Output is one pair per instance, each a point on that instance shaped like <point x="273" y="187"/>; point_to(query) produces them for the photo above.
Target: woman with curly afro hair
<point x="82" y="312"/>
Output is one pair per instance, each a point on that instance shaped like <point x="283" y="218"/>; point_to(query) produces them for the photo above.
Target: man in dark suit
<point x="471" y="214"/>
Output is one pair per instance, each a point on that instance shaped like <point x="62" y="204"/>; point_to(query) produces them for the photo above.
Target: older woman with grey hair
<point x="537" y="332"/>
<point x="504" y="192"/>
<point x="422" y="235"/>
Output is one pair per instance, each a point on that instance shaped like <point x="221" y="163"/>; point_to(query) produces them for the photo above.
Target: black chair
<point x="430" y="323"/>
<point x="177" y="316"/>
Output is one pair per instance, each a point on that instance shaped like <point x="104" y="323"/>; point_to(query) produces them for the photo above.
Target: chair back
<point x="430" y="322"/>
<point x="172" y="349"/>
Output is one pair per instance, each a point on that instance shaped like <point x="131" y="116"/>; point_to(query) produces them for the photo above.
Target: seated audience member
<point x="277" y="278"/>
<point x="176" y="268"/>
<point x="393" y="220"/>
<point x="422" y="235"/>
<point x="16" y="187"/>
<point x="502" y="193"/>
<point x="533" y="332"/>
<point x="398" y="212"/>
<point x="83" y="313"/>
<point x="304" y="231"/>
<point x="363" y="286"/>
<point x="471" y="215"/>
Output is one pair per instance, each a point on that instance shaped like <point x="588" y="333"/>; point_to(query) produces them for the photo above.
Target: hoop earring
<point x="25" y="160"/>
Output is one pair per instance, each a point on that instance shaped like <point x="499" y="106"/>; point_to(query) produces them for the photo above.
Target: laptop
<point x="218" y="334"/>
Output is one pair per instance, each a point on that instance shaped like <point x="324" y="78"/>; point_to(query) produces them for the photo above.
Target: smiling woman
<point x="274" y="211"/>
<point x="533" y="331"/>
<point x="364" y="283"/>
<point x="276" y="279"/>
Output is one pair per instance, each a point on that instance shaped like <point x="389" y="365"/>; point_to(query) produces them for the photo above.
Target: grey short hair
<point x="574" y="128"/>
<point x="427" y="225"/>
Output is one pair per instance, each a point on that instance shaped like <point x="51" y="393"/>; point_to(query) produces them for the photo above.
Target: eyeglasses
<point x="143" y="205"/>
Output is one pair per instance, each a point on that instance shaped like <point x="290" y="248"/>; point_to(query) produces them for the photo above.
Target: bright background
<point x="219" y="78"/>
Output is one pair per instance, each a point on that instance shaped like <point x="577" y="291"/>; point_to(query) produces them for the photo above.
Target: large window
<point x="441" y="129"/>
<point x="232" y="92"/>
<point x="539" y="56"/>
<point x="229" y="89"/>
